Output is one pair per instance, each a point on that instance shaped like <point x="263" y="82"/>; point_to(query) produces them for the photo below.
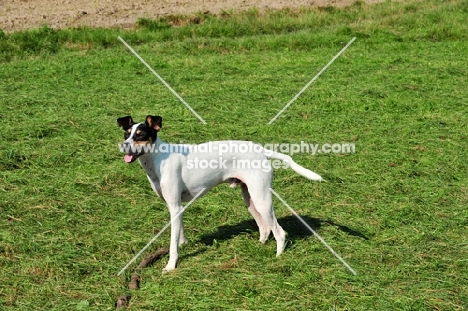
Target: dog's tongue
<point x="128" y="158"/>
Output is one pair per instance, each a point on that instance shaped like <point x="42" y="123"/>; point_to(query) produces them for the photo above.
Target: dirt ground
<point x="25" y="14"/>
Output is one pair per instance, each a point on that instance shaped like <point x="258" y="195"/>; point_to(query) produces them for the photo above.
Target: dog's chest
<point x="152" y="176"/>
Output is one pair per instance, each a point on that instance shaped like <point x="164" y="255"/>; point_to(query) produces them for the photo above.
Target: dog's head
<point x="138" y="136"/>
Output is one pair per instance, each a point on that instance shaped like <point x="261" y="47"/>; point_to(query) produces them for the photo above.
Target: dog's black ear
<point x="125" y="122"/>
<point x="154" y="122"/>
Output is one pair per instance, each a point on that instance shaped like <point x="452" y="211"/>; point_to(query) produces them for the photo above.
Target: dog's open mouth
<point x="130" y="155"/>
<point x="129" y="158"/>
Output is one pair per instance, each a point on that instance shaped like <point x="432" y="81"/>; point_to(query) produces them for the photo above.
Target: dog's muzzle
<point x="131" y="156"/>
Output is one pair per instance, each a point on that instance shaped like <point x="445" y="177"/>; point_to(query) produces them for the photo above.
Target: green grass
<point x="73" y="213"/>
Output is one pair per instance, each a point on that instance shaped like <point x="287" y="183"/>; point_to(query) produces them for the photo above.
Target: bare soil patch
<point x="24" y="14"/>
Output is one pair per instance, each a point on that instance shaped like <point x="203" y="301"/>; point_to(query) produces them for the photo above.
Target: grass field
<point x="73" y="213"/>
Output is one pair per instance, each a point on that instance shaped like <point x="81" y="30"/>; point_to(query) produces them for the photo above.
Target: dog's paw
<point x="264" y="235"/>
<point x="167" y="269"/>
<point x="280" y="244"/>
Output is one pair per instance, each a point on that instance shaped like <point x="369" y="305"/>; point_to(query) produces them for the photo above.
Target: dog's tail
<point x="296" y="167"/>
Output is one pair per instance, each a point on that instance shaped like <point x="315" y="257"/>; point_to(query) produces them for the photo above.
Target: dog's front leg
<point x="182" y="238"/>
<point x="172" y="196"/>
<point x="176" y="228"/>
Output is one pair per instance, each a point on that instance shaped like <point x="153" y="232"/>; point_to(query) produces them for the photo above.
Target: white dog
<point x="178" y="173"/>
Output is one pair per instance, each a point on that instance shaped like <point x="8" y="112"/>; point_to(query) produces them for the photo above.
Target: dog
<point x="178" y="173"/>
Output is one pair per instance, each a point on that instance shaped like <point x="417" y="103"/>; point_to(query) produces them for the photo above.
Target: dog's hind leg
<point x="263" y="227"/>
<point x="261" y="198"/>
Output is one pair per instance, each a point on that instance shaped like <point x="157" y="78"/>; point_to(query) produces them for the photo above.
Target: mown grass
<point x="73" y="213"/>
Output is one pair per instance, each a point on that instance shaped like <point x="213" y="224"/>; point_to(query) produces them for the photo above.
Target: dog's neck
<point x="148" y="161"/>
<point x="158" y="142"/>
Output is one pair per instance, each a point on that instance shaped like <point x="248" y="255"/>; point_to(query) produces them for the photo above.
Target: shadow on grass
<point x="291" y="224"/>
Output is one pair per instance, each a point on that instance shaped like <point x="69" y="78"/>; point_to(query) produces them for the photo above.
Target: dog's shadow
<point x="295" y="229"/>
